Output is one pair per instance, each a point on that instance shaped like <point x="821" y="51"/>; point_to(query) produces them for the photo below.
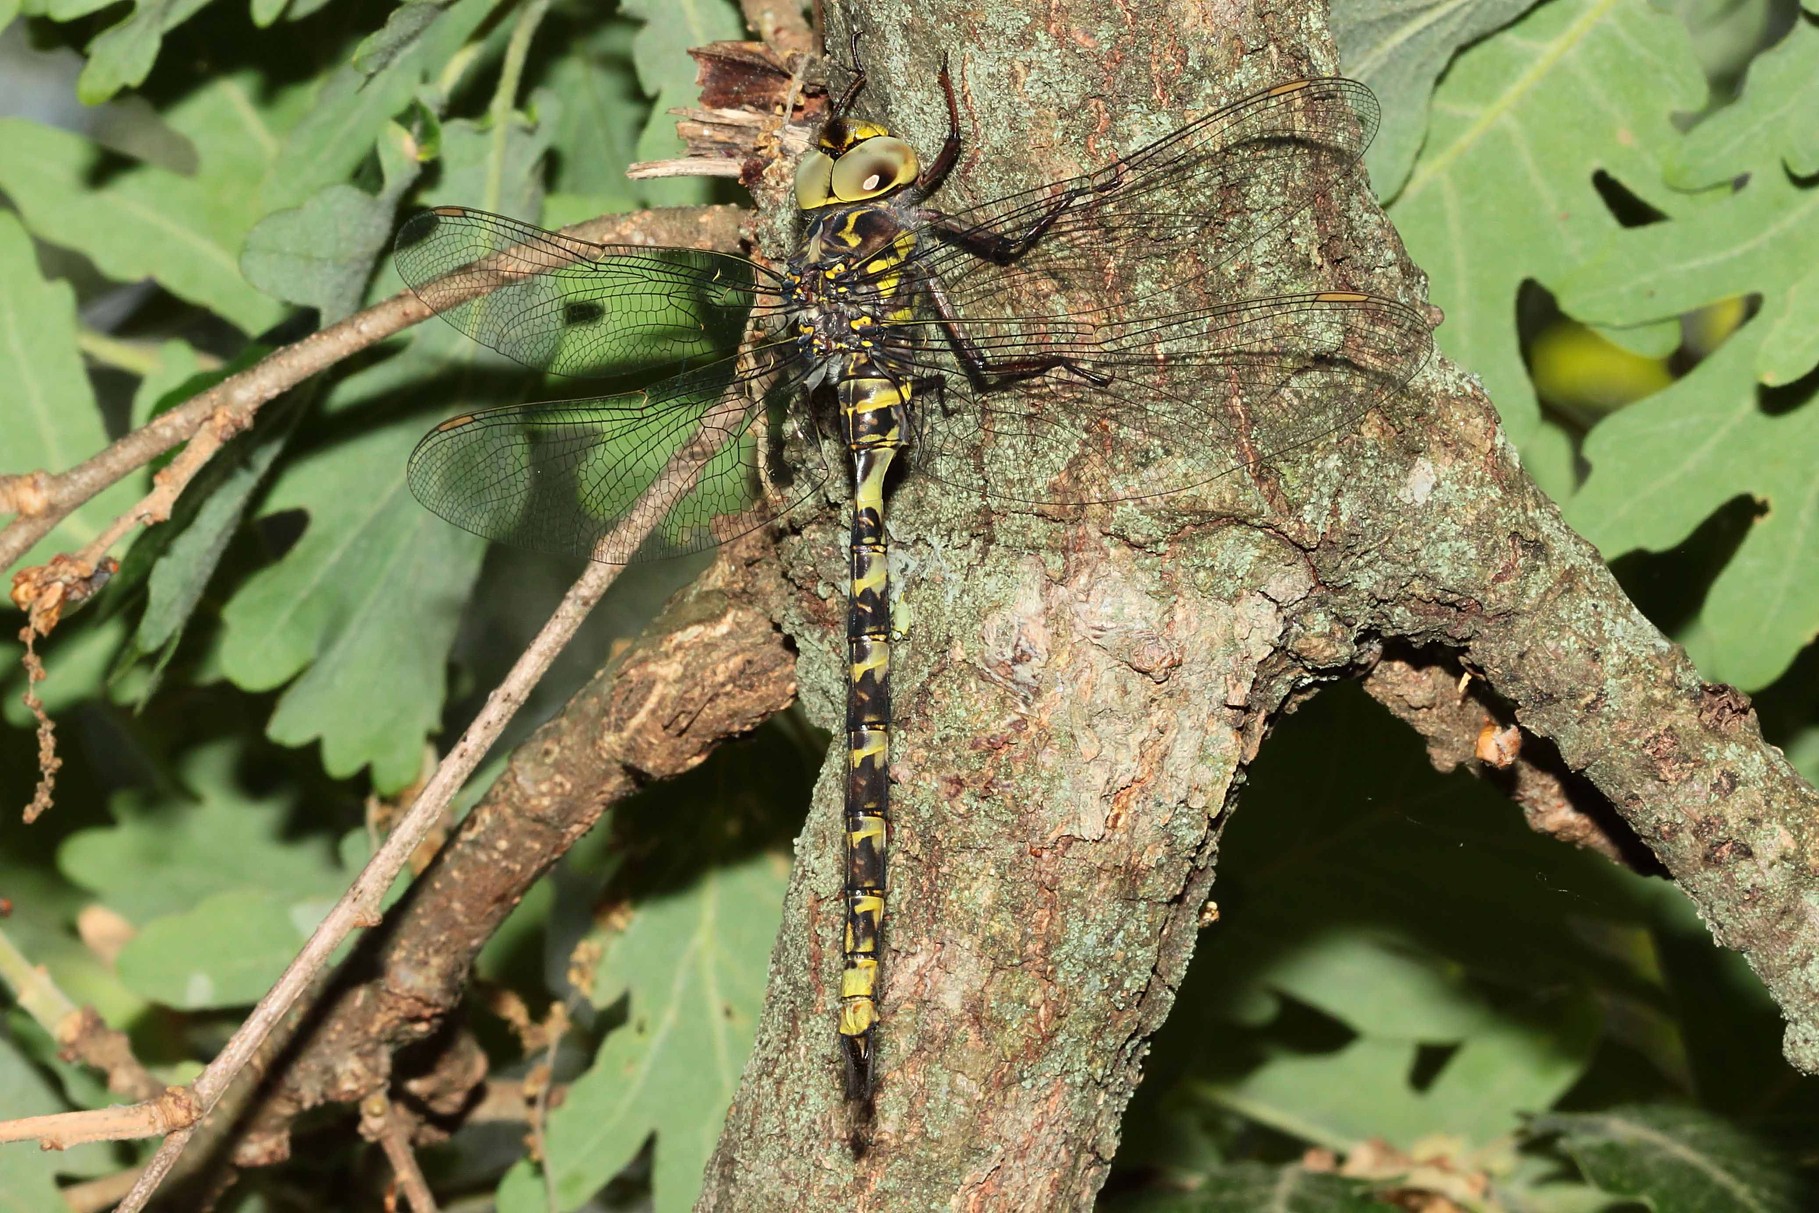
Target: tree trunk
<point x="1077" y="696"/>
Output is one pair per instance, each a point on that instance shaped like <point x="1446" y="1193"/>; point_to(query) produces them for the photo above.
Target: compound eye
<point x="813" y="181"/>
<point x="874" y="167"/>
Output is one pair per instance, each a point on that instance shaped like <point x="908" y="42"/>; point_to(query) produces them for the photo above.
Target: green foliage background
<point x="1397" y="958"/>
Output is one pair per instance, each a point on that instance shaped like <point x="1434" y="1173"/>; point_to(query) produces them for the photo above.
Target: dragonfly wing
<point x="1189" y="204"/>
<point x="674" y="468"/>
<point x="559" y="304"/>
<point x="1191" y="396"/>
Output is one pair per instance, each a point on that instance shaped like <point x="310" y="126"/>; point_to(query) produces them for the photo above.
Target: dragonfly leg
<point x="938" y="168"/>
<point x="981" y="367"/>
<point x="857" y="84"/>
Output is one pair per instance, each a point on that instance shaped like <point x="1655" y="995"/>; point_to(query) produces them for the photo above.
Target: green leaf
<point x="1790" y="347"/>
<point x="183" y="570"/>
<point x="1661" y="466"/>
<point x="1503" y="189"/>
<point x="355" y="103"/>
<point x="1770" y="125"/>
<point x="694" y="966"/>
<point x="1362" y="1092"/>
<point x="183" y="230"/>
<point x="594" y="141"/>
<point x="172" y="562"/>
<point x="321" y="254"/>
<point x="1382" y="1017"/>
<point x="65" y="10"/>
<point x="362" y="611"/>
<point x="80" y="656"/>
<point x="364" y="607"/>
<point x="1400" y="49"/>
<point x="1762" y="239"/>
<point x="167" y="852"/>
<point x="1677" y="1160"/>
<point x="226" y="951"/>
<point x="1253" y="1187"/>
<point x="1378" y="985"/>
<point x="403" y="32"/>
<point x="122" y="55"/>
<point x="28" y="1176"/>
<point x="660" y="48"/>
<point x="48" y="411"/>
<point x="320" y="251"/>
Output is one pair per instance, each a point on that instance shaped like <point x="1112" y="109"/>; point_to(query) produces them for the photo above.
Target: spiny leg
<point x="982" y="368"/>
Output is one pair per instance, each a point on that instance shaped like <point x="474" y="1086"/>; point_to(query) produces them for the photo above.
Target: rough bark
<point x="1077" y="697"/>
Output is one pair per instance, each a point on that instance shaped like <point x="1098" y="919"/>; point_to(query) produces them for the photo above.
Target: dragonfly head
<point x="853" y="161"/>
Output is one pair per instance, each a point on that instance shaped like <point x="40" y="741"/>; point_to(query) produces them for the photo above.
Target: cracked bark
<point x="1076" y="697"/>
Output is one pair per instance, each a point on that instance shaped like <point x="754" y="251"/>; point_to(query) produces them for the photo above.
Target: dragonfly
<point x="1081" y="341"/>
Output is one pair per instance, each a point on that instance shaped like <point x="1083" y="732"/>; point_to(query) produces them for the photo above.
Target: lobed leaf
<point x="183" y="230"/>
<point x="1400" y="49"/>
<point x="48" y="411"/>
<point x="1662" y="466"/>
<point x="693" y="967"/>
<point x="1503" y="189"/>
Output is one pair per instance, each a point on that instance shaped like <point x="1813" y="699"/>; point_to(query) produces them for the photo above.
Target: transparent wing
<point x="571" y="307"/>
<point x="1125" y="285"/>
<point x="1191" y="396"/>
<point x="1214" y="188"/>
<point x="674" y="468"/>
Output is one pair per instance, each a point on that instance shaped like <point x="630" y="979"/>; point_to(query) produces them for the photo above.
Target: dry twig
<point x="383" y="1122"/>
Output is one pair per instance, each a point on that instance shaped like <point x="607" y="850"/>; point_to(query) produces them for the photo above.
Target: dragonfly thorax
<point x="845" y="288"/>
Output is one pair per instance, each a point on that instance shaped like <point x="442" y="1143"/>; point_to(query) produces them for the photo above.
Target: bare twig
<point x="81" y="1034"/>
<point x="174" y="1110"/>
<point x="180" y="1108"/>
<point x="381" y="1121"/>
<point x="685" y="166"/>
<point x="359" y="906"/>
<point x="42" y="500"/>
<point x="99" y="1195"/>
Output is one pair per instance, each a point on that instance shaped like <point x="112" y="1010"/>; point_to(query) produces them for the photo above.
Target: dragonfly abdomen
<point x="872" y="411"/>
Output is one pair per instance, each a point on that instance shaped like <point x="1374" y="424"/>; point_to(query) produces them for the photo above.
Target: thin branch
<point x="685" y="166"/>
<point x="99" y="1195"/>
<point x="176" y="1110"/>
<point x="181" y="1108"/>
<point x="42" y="500"/>
<point x="359" y="906"/>
<point x="80" y="1032"/>
<point x="381" y="1121"/>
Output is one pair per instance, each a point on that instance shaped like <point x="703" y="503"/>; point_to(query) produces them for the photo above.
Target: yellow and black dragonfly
<point x="1077" y="342"/>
